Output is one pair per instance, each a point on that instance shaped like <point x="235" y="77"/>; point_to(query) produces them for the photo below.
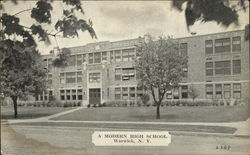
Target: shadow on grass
<point x="169" y="117"/>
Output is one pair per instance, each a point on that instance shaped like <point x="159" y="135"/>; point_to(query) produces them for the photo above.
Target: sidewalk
<point x="243" y="127"/>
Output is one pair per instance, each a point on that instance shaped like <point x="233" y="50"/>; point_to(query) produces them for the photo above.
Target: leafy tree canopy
<point x="221" y="11"/>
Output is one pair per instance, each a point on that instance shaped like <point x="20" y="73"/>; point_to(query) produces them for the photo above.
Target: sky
<point x="120" y="20"/>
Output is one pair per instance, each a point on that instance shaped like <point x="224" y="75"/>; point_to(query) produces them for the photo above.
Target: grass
<point x="7" y="112"/>
<point x="168" y="114"/>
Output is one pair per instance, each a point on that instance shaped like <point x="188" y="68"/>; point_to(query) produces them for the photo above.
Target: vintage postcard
<point x="125" y="77"/>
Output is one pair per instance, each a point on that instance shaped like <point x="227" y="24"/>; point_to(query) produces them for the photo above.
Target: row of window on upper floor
<point x="223" y="45"/>
<point x="227" y="67"/>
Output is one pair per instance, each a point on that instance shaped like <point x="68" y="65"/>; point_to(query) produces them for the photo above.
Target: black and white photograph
<point x="98" y="77"/>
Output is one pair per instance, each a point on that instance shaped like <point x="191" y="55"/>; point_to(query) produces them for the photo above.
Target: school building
<point x="218" y="67"/>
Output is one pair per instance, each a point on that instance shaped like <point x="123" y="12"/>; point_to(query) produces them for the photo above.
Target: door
<point x="95" y="96"/>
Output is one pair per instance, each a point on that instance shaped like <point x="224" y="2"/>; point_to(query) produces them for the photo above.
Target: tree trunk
<point x="158" y="112"/>
<point x="14" y="99"/>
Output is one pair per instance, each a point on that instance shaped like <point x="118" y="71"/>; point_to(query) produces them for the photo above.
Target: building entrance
<point x="94" y="96"/>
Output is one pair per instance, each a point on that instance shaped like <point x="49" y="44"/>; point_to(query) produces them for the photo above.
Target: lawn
<point x="7" y="112"/>
<point x="168" y="114"/>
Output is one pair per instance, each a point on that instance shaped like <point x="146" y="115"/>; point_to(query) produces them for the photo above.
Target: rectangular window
<point x="111" y="56"/>
<point x="236" y="44"/>
<point x="62" y="78"/>
<point x="237" y="90"/>
<point x="184" y="91"/>
<point x="209" y="69"/>
<point x="50" y="95"/>
<point x="62" y="94"/>
<point x="117" y="93"/>
<point x="128" y="74"/>
<point x="71" y="77"/>
<point x="91" y="58"/>
<point x="68" y="94"/>
<point x="79" y="60"/>
<point x="94" y="77"/>
<point x="139" y="92"/>
<point x="209" y="46"/>
<point x="118" y="73"/>
<point x="104" y="56"/>
<point x="73" y="94"/>
<point x="222" y="45"/>
<point x="83" y="58"/>
<point x="72" y="60"/>
<point x="107" y="93"/>
<point x="227" y="91"/>
<point x="49" y="79"/>
<point x="132" y="93"/>
<point x="183" y="49"/>
<point x="176" y="93"/>
<point x="117" y="55"/>
<point x="222" y="68"/>
<point x="97" y="57"/>
<point x="218" y="91"/>
<point x="209" y="91"/>
<point x="79" y="76"/>
<point x="49" y="64"/>
<point x="128" y="54"/>
<point x="169" y="94"/>
<point x="79" y="94"/>
<point x="124" y="93"/>
<point x="236" y="67"/>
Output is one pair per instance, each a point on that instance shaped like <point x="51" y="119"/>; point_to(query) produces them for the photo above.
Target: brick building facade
<point x="218" y="67"/>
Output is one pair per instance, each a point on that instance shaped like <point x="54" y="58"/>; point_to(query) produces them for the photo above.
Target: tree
<point x="224" y="12"/>
<point x="193" y="92"/>
<point x="160" y="67"/>
<point x="21" y="73"/>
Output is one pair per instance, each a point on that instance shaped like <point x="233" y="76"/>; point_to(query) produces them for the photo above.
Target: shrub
<point x="145" y="98"/>
<point x="104" y="104"/>
<point x="78" y="104"/>
<point x="88" y="105"/>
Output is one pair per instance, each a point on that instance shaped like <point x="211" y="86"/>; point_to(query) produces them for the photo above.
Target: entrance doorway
<point x="95" y="96"/>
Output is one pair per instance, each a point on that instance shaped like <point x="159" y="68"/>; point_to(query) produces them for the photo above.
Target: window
<point x="83" y="58"/>
<point x="49" y="79"/>
<point x="73" y="94"/>
<point x="50" y="95"/>
<point x="169" y="94"/>
<point x="68" y="94"/>
<point x="49" y="64"/>
<point x="72" y="60"/>
<point x="118" y="73"/>
<point x="117" y="93"/>
<point x="70" y="77"/>
<point x="222" y="45"/>
<point x="236" y="67"/>
<point x="125" y="93"/>
<point x="209" y="46"/>
<point x="139" y="91"/>
<point x="79" y="60"/>
<point x="91" y="59"/>
<point x="62" y="78"/>
<point x="209" y="91"/>
<point x="237" y="90"/>
<point x="183" y="49"/>
<point x="111" y="56"/>
<point x="104" y="56"/>
<point x="79" y="94"/>
<point x="209" y="69"/>
<point x="218" y="91"/>
<point x="184" y="91"/>
<point x="79" y="76"/>
<point x="227" y="91"/>
<point x="128" y="74"/>
<point x="176" y="93"/>
<point x="236" y="44"/>
<point x="107" y="93"/>
<point x="97" y="57"/>
<point x="132" y="93"/>
<point x="41" y="97"/>
<point x="222" y="68"/>
<point x="62" y="94"/>
<point x="36" y="98"/>
<point x="128" y="54"/>
<point x="94" y="77"/>
<point x="117" y="55"/>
